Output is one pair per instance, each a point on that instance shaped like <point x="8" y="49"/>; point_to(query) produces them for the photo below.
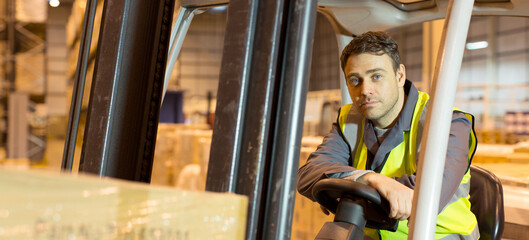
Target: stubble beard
<point x="374" y="114"/>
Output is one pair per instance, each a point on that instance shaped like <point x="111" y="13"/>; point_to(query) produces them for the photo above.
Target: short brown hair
<point x="376" y="43"/>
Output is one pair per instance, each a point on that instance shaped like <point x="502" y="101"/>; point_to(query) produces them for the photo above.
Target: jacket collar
<point x="406" y="115"/>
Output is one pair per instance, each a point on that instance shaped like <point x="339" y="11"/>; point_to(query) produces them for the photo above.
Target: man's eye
<point x="354" y="81"/>
<point x="377" y="77"/>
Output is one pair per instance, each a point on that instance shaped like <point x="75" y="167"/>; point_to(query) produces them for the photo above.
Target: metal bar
<point x="343" y="40"/>
<point x="125" y="97"/>
<point x="185" y="16"/>
<point x="337" y="27"/>
<point x="11" y="47"/>
<point x="176" y="25"/>
<point x="412" y="6"/>
<point x="17" y="132"/>
<point x="232" y="94"/>
<point x="492" y="73"/>
<point x="182" y="19"/>
<point x="258" y="128"/>
<point x="28" y="34"/>
<point x="431" y="39"/>
<point x="202" y="3"/>
<point x="432" y="157"/>
<point x="78" y="87"/>
<point x="297" y="57"/>
<point x="242" y="135"/>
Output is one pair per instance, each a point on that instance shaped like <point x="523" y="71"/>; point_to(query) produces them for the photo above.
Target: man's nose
<point x="367" y="88"/>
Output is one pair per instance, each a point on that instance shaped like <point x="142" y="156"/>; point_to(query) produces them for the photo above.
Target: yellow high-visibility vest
<point x="456" y="219"/>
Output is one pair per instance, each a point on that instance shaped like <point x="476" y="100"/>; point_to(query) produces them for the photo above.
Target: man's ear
<point x="401" y="75"/>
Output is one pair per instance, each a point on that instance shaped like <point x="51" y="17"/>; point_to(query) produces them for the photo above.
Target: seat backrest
<point x="486" y="198"/>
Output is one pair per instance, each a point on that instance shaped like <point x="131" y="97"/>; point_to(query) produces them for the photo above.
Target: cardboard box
<point x="43" y="205"/>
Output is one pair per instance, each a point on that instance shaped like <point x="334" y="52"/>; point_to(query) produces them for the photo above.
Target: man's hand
<point x="399" y="196"/>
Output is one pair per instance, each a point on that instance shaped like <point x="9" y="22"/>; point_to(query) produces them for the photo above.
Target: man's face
<point x="375" y="88"/>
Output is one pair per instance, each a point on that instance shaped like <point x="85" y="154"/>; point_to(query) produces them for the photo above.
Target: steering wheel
<point x="332" y="191"/>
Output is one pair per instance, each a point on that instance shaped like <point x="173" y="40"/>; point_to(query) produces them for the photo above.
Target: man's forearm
<point x="331" y="159"/>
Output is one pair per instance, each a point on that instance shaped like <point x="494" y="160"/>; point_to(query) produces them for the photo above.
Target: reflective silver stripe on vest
<point x="461" y="192"/>
<point x="472" y="236"/>
<point x="418" y="136"/>
<point x="353" y="130"/>
<point x="351" y="133"/>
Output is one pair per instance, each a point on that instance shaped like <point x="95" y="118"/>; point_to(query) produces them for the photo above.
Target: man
<point x="376" y="141"/>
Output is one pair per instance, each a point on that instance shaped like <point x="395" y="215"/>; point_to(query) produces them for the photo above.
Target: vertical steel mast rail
<point x="262" y="90"/>
<point x="125" y="97"/>
<point x="438" y="120"/>
<point x="289" y="124"/>
<point x="242" y="134"/>
<point x="78" y="87"/>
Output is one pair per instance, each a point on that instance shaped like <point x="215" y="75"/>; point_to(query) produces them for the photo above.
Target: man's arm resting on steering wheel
<point x="330" y="160"/>
<point x="399" y="196"/>
<point x="399" y="191"/>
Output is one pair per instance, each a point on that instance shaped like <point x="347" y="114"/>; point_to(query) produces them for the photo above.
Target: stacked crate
<point x="517" y="122"/>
